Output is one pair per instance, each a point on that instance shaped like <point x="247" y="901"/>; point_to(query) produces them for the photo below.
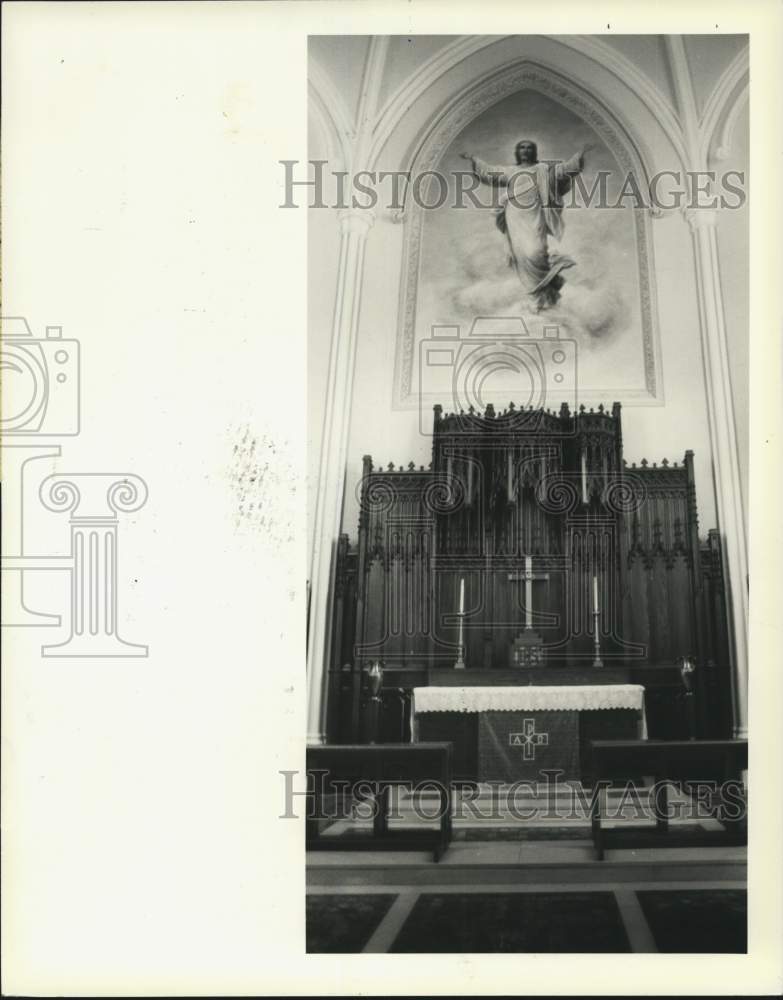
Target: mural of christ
<point x="530" y="212"/>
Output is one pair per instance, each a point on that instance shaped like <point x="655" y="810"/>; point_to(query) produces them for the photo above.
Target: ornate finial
<point x="633" y="465"/>
<point x="490" y="411"/>
<point x="471" y="410"/>
<point x="665" y="463"/>
<point x="390" y="466"/>
<point x="644" y="463"/>
<point x="600" y="407"/>
<point x="564" y="411"/>
<point x="421" y="468"/>
<point x="411" y="466"/>
<point x="511" y="406"/>
<point x="582" y="408"/>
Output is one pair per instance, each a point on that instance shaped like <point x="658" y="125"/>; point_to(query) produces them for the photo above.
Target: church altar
<point x="528" y="554"/>
<point x="517" y="733"/>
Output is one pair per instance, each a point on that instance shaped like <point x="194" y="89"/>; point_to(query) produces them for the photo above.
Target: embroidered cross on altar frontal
<point x="548" y="741"/>
<point x="528" y="739"/>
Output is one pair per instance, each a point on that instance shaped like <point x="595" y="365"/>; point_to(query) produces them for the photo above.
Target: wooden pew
<point x="680" y="761"/>
<point x="382" y="764"/>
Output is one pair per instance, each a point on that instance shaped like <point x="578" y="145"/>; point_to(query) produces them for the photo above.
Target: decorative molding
<point x="724" y="148"/>
<point x="701" y="218"/>
<point x="683" y="88"/>
<point x="369" y="94"/>
<point x="331" y="114"/>
<point x="638" y="82"/>
<point x="441" y="62"/>
<point x="726" y="99"/>
<point x="465" y="109"/>
<point x="356" y="220"/>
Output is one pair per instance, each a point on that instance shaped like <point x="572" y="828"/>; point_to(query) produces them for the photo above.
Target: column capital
<point x="356" y="220"/>
<point x="701" y="218"/>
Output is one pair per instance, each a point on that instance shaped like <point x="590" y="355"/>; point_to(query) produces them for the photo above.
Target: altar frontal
<point x="518" y="733"/>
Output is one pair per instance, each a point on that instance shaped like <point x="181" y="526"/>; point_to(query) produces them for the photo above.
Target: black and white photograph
<point x="390" y="408"/>
<point x="528" y="445"/>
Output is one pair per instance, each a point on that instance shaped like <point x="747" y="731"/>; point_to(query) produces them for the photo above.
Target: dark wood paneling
<point x="421" y="531"/>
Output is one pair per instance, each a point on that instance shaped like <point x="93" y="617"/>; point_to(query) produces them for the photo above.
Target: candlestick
<point x="460" y="663"/>
<point x="597" y="661"/>
<point x="510" y="478"/>
<point x="584" y="475"/>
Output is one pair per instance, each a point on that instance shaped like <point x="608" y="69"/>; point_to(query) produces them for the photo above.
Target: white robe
<point x="531" y="212"/>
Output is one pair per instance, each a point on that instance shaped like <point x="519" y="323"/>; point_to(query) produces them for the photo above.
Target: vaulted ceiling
<point x="373" y="97"/>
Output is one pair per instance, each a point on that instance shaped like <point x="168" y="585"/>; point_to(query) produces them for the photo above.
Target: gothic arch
<point x="330" y="116"/>
<point x="725" y="103"/>
<point x="592" y="49"/>
<point x="425" y="154"/>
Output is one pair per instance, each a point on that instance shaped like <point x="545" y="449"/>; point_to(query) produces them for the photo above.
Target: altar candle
<point x="584" y="475"/>
<point x="596" y="609"/>
<point x="509" y="476"/>
<point x="462" y="596"/>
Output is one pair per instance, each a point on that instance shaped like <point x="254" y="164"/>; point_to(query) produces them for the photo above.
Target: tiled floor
<point x="344" y="922"/>
<point x="513" y="922"/>
<point x="700" y="920"/>
<point x="526" y="919"/>
<point x="534" y="886"/>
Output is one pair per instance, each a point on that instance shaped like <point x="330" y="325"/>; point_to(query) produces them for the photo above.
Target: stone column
<point x="723" y="434"/>
<point x="354" y="226"/>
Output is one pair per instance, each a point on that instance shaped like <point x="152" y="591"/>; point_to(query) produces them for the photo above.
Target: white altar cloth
<point x="566" y="698"/>
<point x="576" y="698"/>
